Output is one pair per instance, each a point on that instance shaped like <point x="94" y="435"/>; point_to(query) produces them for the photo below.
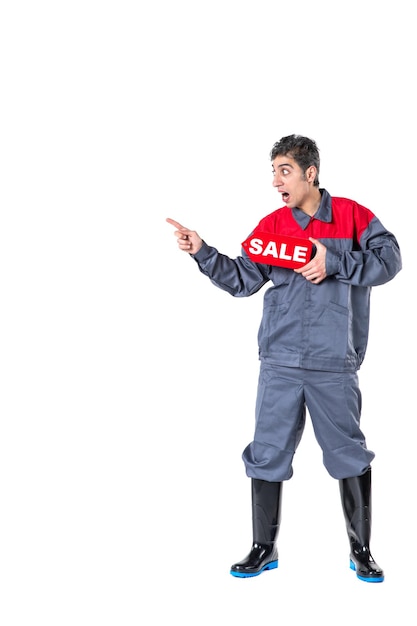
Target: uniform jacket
<point x="324" y="326"/>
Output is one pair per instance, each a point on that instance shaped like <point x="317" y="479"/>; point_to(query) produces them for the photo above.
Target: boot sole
<point x="272" y="565"/>
<point x="370" y="579"/>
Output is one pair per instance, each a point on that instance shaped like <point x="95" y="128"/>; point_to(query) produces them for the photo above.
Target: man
<point x="312" y="341"/>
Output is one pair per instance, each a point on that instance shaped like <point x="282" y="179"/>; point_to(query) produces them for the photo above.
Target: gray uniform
<point x="312" y="338"/>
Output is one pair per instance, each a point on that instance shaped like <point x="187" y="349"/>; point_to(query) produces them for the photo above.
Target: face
<point x="295" y="187"/>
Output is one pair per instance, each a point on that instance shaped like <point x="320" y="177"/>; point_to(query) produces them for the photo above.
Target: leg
<point x="280" y="419"/>
<point x="334" y="403"/>
<point x="279" y="424"/>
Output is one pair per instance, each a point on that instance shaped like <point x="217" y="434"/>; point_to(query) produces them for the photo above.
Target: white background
<point x="127" y="380"/>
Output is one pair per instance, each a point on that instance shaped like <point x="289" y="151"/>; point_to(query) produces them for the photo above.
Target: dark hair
<point x="303" y="150"/>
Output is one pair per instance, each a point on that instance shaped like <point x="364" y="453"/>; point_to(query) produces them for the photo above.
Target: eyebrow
<point x="282" y="165"/>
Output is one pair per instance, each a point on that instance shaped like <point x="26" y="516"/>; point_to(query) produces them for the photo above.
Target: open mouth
<point x="285" y="196"/>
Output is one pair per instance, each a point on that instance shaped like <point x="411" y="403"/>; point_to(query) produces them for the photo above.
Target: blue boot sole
<point x="364" y="578"/>
<point x="272" y="565"/>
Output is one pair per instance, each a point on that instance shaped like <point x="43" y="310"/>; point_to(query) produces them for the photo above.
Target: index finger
<point x="176" y="224"/>
<point x="305" y="267"/>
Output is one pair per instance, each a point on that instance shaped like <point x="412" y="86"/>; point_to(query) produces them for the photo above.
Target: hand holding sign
<point x="282" y="250"/>
<point x="315" y="270"/>
<point x="291" y="252"/>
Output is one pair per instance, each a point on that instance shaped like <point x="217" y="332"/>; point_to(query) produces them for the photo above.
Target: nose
<point x="276" y="180"/>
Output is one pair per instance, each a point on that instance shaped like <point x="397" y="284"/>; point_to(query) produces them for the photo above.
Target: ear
<point x="311" y="173"/>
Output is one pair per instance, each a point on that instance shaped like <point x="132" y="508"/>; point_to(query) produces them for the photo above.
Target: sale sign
<point x="279" y="250"/>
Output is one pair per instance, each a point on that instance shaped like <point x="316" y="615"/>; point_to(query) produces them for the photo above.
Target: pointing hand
<point x="188" y="240"/>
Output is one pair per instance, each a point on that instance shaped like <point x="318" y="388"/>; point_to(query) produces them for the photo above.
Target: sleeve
<point x="240" y="277"/>
<point x="377" y="260"/>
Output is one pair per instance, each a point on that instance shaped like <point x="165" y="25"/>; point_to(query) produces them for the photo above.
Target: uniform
<point x="312" y="341"/>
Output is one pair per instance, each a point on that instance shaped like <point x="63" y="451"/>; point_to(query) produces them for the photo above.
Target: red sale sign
<point x="279" y="250"/>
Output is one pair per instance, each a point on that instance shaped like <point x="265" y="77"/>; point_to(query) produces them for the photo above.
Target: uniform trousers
<point x="333" y="401"/>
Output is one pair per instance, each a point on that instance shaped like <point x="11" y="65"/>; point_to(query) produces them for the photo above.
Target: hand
<point x="188" y="240"/>
<point x="315" y="270"/>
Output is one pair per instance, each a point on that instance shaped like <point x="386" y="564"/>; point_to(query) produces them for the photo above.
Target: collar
<point x="323" y="213"/>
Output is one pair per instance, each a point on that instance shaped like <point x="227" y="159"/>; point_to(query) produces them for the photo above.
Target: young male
<point x="312" y="341"/>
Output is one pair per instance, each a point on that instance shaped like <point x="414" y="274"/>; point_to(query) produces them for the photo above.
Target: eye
<point x="285" y="171"/>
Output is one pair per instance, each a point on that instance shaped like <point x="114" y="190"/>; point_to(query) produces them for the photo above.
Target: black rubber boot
<point x="266" y="517"/>
<point x="356" y="501"/>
